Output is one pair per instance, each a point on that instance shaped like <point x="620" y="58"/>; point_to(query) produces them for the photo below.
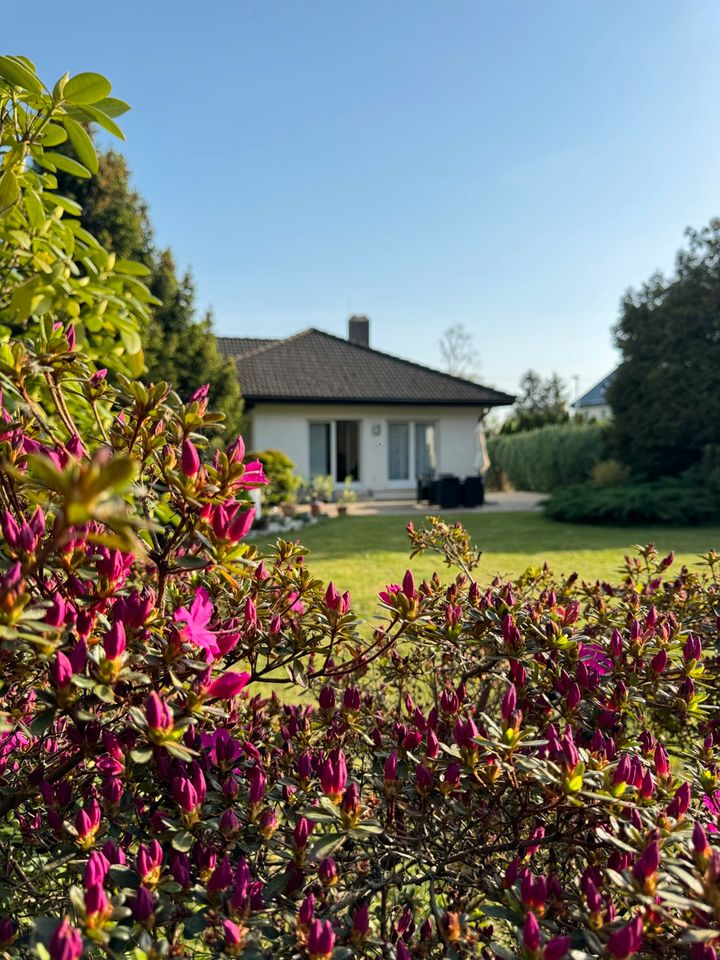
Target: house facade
<point x="337" y="407"/>
<point x="593" y="405"/>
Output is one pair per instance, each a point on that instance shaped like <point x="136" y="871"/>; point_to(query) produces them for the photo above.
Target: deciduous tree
<point x="665" y="395"/>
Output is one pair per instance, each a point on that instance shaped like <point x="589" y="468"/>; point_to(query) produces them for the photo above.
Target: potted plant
<point x="347" y="496"/>
<point x="322" y="491"/>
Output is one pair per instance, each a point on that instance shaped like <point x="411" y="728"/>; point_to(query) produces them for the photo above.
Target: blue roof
<point x="595" y="396"/>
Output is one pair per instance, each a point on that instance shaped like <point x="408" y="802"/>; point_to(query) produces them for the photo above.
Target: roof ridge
<point x="268" y="346"/>
<point x="599" y="383"/>
<point x="409" y="363"/>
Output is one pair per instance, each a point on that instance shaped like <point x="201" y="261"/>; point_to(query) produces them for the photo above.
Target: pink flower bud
<point x="626" y="941"/>
<point x="66" y="942"/>
<point x="423" y="779"/>
<point x="256" y="783"/>
<point x="228" y="685"/>
<point x="189" y="459"/>
<point x="327" y="872"/>
<point x="509" y="703"/>
<point x="557" y="948"/>
<point x="333" y="775"/>
<point x="321" y="940"/>
<point x="61" y="671"/>
<point x="158" y="715"/>
<point x="114" y="643"/>
<point x="647" y="863"/>
<point x="531" y="933"/>
<point x="302" y="831"/>
<point x="679" y="804"/>
<point x="307" y="910"/>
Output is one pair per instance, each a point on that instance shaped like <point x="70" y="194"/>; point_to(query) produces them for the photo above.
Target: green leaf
<point x="53" y="135"/>
<point x="87" y="88"/>
<point x="16" y="73"/>
<point x="68" y="205"/>
<point x="131" y="341"/>
<point x="112" y="106"/>
<point x="34" y="207"/>
<point x="182" y="841"/>
<point x="123" y="876"/>
<point x="9" y="190"/>
<point x="82" y="142"/>
<point x="131" y="268"/>
<point x="98" y="116"/>
<point x="58" y="161"/>
<point x="326" y="845"/>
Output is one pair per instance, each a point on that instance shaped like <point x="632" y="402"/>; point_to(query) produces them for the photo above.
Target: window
<point x="320" y="449"/>
<point x="424" y="450"/>
<point x="347" y="455"/>
<point x="398" y="451"/>
<point x="335" y="449"/>
<point x="411" y="451"/>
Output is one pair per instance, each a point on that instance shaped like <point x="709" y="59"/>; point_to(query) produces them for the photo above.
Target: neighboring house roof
<point x="595" y="396"/>
<point x="318" y="367"/>
<point x="236" y="346"/>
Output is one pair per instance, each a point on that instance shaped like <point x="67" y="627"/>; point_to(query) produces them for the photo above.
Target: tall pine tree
<point x="179" y="346"/>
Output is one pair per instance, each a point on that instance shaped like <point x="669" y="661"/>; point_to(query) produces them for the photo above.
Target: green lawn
<point x="362" y="554"/>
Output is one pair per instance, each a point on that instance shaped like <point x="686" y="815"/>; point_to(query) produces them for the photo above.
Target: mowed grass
<point x="363" y="554"/>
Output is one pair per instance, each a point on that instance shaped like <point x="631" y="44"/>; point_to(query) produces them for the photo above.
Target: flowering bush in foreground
<point x="203" y="753"/>
<point x="520" y="769"/>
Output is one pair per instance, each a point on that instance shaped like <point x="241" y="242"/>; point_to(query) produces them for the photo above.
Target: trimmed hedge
<point x="670" y="500"/>
<point x="548" y="458"/>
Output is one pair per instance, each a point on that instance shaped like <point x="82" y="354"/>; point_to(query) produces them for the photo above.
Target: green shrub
<point x="284" y="483"/>
<point x="609" y="473"/>
<point x="551" y="457"/>
<point x="670" y="500"/>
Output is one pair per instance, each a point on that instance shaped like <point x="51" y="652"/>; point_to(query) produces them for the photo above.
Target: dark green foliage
<point x="182" y="350"/>
<point x="113" y="211"/>
<point x="671" y="500"/>
<point x="178" y="347"/>
<point x="541" y="402"/>
<point x="666" y="393"/>
<point x="280" y="471"/>
<point x="547" y="458"/>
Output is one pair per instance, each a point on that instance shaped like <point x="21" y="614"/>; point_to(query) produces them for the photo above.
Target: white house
<point x="593" y="405"/>
<point x="338" y="407"/>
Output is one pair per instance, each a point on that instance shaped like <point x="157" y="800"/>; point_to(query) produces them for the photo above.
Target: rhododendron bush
<point x="203" y="753"/>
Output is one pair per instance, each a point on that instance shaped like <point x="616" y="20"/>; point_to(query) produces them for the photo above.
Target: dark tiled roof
<point x="237" y="346"/>
<point x="595" y="396"/>
<point x="318" y="367"/>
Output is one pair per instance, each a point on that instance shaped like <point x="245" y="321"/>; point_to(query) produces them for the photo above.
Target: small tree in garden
<point x="204" y="754"/>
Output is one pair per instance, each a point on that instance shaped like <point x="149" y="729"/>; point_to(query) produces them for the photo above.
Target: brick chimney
<point x="359" y="330"/>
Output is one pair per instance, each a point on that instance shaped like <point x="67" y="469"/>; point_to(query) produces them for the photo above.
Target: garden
<point x="204" y="752"/>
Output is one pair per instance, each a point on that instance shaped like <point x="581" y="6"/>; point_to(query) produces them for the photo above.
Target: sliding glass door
<point x="335" y="449"/>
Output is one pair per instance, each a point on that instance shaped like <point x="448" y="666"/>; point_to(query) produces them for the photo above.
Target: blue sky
<point x="511" y="166"/>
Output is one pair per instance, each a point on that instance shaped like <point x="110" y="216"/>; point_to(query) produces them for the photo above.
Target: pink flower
<point x="252" y="476"/>
<point x="594" y="657"/>
<point x="66" y="943"/>
<point x="228" y="685"/>
<point x="195" y="622"/>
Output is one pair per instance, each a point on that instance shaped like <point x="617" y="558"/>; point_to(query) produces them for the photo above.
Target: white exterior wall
<point x="597" y="411"/>
<point x="286" y="427"/>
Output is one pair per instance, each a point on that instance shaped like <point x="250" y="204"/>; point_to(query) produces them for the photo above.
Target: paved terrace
<point x="510" y="501"/>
